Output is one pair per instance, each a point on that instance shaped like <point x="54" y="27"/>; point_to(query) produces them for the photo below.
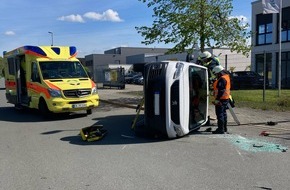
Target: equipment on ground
<point x="233" y="114"/>
<point x="138" y="110"/>
<point x="93" y="133"/>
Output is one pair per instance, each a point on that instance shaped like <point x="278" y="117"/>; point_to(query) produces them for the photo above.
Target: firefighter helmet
<point x="204" y="55"/>
<point x="217" y="69"/>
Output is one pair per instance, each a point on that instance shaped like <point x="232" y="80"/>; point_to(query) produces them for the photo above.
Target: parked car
<point x="247" y="80"/>
<point x="285" y="83"/>
<point x="129" y="79"/>
<point x="138" y="80"/>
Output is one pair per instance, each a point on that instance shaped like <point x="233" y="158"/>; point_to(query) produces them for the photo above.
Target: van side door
<point x="12" y="80"/>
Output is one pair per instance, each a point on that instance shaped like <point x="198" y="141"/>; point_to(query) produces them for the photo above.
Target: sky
<point x="93" y="26"/>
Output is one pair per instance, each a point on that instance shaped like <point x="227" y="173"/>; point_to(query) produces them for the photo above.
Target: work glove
<point x="217" y="103"/>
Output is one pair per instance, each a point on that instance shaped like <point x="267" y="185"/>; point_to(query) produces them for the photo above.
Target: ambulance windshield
<point x="62" y="69"/>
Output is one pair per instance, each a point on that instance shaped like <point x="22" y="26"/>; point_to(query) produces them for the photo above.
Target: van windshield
<point x="62" y="69"/>
<point x="198" y="96"/>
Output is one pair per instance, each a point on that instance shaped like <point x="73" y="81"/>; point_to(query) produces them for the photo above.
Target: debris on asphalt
<point x="268" y="133"/>
<point x="264" y="133"/>
<point x="271" y="123"/>
<point x="256" y="145"/>
<point x="208" y="129"/>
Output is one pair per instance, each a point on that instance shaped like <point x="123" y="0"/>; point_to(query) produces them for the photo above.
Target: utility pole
<point x="51" y="33"/>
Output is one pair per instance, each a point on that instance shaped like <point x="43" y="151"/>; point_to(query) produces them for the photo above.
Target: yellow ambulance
<point x="48" y="78"/>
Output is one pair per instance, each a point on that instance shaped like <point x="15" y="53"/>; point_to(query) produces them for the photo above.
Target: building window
<point x="264" y="29"/>
<point x="89" y="63"/>
<point x="285" y="69"/>
<point x="117" y="51"/>
<point x="260" y="65"/>
<point x="286" y="24"/>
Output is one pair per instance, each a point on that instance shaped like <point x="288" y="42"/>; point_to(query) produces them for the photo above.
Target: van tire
<point x="89" y="111"/>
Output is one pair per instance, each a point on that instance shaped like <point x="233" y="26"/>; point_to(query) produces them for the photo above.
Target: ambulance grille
<point x="77" y="93"/>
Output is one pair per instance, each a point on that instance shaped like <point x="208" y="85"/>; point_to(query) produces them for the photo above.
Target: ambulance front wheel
<point x="89" y="112"/>
<point x="43" y="108"/>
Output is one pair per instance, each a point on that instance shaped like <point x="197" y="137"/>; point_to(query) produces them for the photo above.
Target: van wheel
<point x="43" y="108"/>
<point x="89" y="111"/>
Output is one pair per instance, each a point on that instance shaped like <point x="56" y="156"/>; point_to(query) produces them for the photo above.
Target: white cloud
<point x="108" y="15"/>
<point x="241" y="18"/>
<point x="93" y="16"/>
<point x="9" y="33"/>
<point x="244" y="20"/>
<point x="72" y="18"/>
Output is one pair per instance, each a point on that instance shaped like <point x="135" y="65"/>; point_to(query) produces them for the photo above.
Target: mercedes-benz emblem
<point x="79" y="93"/>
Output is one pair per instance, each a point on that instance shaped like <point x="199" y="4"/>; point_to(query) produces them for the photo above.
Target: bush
<point x="283" y="102"/>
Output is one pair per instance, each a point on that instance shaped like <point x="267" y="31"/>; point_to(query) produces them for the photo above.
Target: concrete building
<point x="266" y="44"/>
<point x="115" y="57"/>
<point x="124" y="56"/>
<point x="229" y="60"/>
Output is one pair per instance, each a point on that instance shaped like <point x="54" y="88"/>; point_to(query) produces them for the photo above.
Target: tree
<point x="186" y="23"/>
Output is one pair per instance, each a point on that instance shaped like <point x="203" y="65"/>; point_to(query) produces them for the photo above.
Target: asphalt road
<point x="36" y="154"/>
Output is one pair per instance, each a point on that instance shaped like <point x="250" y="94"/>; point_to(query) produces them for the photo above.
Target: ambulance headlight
<point x="94" y="90"/>
<point x="179" y="68"/>
<point x="54" y="93"/>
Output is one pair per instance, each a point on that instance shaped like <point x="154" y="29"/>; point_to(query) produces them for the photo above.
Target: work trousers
<point x="221" y="114"/>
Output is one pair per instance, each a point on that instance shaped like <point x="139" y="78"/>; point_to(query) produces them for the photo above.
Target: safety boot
<point x="226" y="126"/>
<point x="220" y="129"/>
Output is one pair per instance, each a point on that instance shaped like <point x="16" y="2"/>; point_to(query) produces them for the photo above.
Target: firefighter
<point x="206" y="59"/>
<point x="221" y="92"/>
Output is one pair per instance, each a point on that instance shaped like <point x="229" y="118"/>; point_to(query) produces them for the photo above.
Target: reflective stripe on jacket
<point x="226" y="94"/>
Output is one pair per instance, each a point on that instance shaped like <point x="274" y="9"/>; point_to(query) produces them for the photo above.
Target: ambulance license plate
<point x="79" y="105"/>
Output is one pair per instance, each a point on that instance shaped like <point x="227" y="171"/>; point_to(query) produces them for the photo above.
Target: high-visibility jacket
<point x="226" y="94"/>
